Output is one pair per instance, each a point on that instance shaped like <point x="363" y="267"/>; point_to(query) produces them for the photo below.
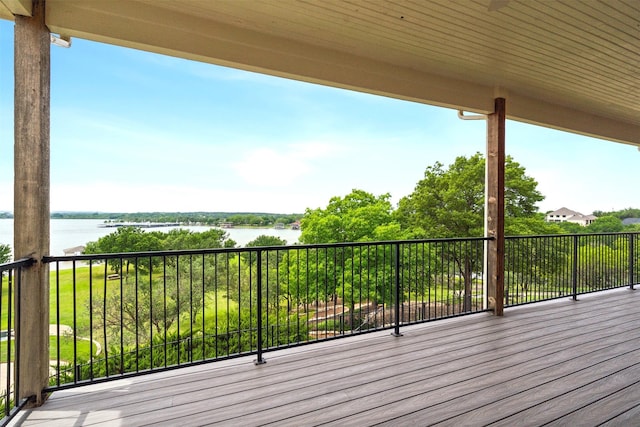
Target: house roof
<point x="563" y="212"/>
<point x="571" y="216"/>
<point x="579" y="218"/>
<point x="629" y="221"/>
<point x="566" y="64"/>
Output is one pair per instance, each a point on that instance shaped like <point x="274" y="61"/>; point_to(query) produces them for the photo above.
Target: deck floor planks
<point x="440" y="399"/>
<point x="266" y="403"/>
<point x="584" y="359"/>
<point x="606" y="409"/>
<point x="525" y="394"/>
<point x="279" y="407"/>
<point x="324" y="382"/>
<point x="588" y="390"/>
<point x="629" y="417"/>
<point x="237" y="382"/>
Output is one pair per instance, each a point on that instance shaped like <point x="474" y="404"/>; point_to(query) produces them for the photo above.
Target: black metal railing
<point x="124" y="314"/>
<point x="546" y="267"/>
<point x="10" y="296"/>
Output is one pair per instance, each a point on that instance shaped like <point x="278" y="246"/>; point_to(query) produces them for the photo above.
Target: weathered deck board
<point x="564" y="362"/>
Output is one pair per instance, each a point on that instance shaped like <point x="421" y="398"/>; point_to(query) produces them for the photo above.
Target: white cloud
<point x="270" y="167"/>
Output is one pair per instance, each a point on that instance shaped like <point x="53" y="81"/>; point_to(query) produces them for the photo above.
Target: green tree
<point x="265" y="240"/>
<point x="146" y="302"/>
<point x="181" y="238"/>
<point x="605" y="224"/>
<point x="345" y="272"/>
<point x="270" y="263"/>
<point x="622" y="214"/>
<point x="602" y="262"/>
<point x="571" y="227"/>
<point x="357" y="217"/>
<point x="126" y="239"/>
<point x="632" y="228"/>
<point x="5" y="253"/>
<point x="533" y="225"/>
<point x="449" y="202"/>
<point x="137" y="310"/>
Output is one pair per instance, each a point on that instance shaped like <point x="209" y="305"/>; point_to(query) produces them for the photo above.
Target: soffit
<point x="566" y="64"/>
<point x="8" y="8"/>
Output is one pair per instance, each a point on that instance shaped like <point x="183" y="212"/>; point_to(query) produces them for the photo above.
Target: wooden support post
<point x="495" y="205"/>
<point x="31" y="196"/>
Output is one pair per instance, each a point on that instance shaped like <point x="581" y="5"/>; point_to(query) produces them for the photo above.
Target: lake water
<point x="67" y="233"/>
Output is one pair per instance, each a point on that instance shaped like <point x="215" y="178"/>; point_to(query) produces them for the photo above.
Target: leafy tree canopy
<point x="605" y="224"/>
<point x="265" y="240"/>
<point x="126" y="239"/>
<point x="185" y="239"/>
<point x="449" y="202"/>
<point x="134" y="239"/>
<point x="533" y="225"/>
<point x="632" y="228"/>
<point x="622" y="214"/>
<point x="571" y="227"/>
<point x="358" y="216"/>
<point x="5" y="253"/>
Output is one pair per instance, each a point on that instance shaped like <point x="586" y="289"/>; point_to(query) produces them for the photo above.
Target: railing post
<point x="259" y="360"/>
<point x="574" y="276"/>
<point x="17" y="339"/>
<point x="631" y="261"/>
<point x="396" y="330"/>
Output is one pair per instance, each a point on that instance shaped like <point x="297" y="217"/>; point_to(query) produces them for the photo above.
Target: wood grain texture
<point x="31" y="194"/>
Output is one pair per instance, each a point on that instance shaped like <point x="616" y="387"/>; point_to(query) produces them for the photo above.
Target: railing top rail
<point x="50" y="259"/>
<point x="182" y="252"/>
<point x="537" y="236"/>
<point x="23" y="262"/>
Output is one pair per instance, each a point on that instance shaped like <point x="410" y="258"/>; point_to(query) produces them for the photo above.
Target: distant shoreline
<point x="180" y="224"/>
<point x="223" y="220"/>
<point x="69" y="233"/>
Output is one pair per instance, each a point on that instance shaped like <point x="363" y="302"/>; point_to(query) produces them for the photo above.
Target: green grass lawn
<point x="83" y="349"/>
<point x="68" y="293"/>
<point x="4" y="307"/>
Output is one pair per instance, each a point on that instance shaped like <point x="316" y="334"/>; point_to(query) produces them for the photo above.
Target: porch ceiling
<point x="565" y="64"/>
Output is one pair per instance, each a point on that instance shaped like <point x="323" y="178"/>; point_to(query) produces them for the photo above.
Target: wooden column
<point x="31" y="196"/>
<point x="495" y="205"/>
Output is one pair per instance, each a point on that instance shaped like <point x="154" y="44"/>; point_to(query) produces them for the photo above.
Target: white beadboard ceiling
<point x="566" y="64"/>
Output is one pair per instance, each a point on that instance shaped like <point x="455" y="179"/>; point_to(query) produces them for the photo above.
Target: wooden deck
<point x="563" y="363"/>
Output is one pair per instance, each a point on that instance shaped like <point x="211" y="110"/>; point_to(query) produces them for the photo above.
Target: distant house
<point x="76" y="250"/>
<point x="295" y="225"/>
<point x="567" y="215"/>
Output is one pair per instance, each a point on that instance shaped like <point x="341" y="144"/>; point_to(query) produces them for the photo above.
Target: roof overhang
<point x="9" y="8"/>
<point x="569" y="64"/>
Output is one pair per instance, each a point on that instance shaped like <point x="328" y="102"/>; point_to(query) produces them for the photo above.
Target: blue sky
<point x="134" y="131"/>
